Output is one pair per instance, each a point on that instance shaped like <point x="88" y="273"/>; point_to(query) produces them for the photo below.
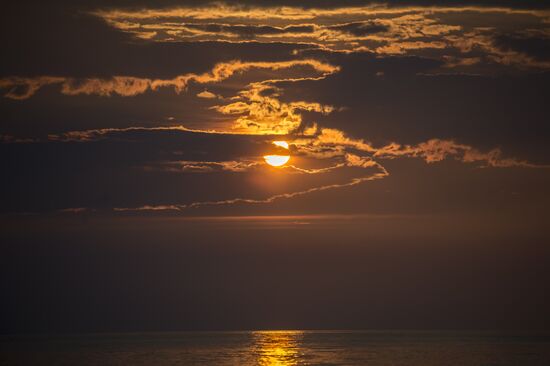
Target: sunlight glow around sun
<point x="278" y="160"/>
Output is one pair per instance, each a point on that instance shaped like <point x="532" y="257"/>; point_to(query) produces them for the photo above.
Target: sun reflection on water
<point x="278" y="348"/>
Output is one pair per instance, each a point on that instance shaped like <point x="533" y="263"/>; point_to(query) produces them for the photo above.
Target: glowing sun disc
<point x="276" y="160"/>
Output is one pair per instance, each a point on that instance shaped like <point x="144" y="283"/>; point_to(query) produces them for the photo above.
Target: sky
<point x="139" y="193"/>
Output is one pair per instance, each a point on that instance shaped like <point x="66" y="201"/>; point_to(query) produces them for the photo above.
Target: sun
<point x="278" y="160"/>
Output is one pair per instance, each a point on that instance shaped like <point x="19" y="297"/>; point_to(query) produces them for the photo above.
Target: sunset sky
<point x="138" y="142"/>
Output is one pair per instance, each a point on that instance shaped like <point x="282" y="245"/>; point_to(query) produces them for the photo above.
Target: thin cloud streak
<point x="329" y="143"/>
<point x="355" y="181"/>
<point x="21" y="88"/>
<point x="324" y="144"/>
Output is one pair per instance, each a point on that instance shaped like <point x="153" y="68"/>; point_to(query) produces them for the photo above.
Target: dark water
<point x="280" y="348"/>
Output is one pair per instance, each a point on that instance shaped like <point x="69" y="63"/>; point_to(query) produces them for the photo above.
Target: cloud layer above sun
<point x="461" y="36"/>
<point x="188" y="101"/>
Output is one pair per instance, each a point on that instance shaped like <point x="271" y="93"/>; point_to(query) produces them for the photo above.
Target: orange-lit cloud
<point x="223" y="11"/>
<point x="266" y="114"/>
<point x="352" y="153"/>
<point x="442" y="31"/>
<point x="20" y="88"/>
<point x="332" y="142"/>
<point x="23" y="88"/>
<point x="330" y="145"/>
<point x="207" y="95"/>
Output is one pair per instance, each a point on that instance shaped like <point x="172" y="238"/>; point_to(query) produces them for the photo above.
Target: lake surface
<point x="283" y="348"/>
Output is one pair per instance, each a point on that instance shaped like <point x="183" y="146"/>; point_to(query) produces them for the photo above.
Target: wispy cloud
<point x="209" y="166"/>
<point x="349" y="153"/>
<point x="437" y="31"/>
<point x="23" y="88"/>
<point x="381" y="173"/>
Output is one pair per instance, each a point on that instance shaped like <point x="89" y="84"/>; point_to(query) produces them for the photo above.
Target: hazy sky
<point x="136" y="195"/>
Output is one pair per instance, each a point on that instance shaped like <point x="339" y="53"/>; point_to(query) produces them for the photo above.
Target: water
<point x="284" y="348"/>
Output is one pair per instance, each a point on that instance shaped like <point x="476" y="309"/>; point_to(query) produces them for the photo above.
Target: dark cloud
<point x="105" y="168"/>
<point x="532" y="45"/>
<point x="360" y="28"/>
<point x="45" y="40"/>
